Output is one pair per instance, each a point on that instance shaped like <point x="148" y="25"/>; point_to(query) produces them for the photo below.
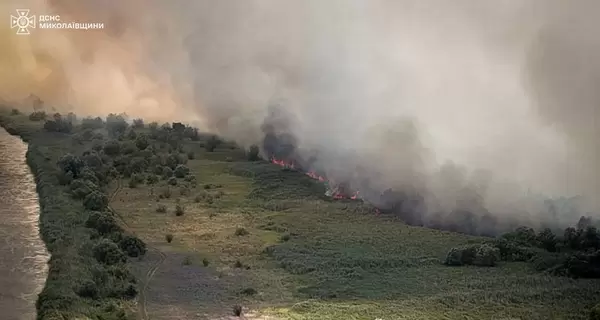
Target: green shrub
<point x="253" y="153"/>
<point x="138" y="123"/>
<point x="15" y="112"/>
<point x="80" y="189"/>
<point x="241" y="232"/>
<point x="161" y="208"/>
<point x="205" y="262"/>
<point x="479" y="255"/>
<point x="511" y="251"/>
<point x="590" y="239"/>
<point x="70" y="163"/>
<point x="523" y="236"/>
<point x="116" y="125"/>
<point x="112" y="148"/>
<point x="64" y="178"/>
<point x="169" y="237"/>
<point x="152" y="179"/>
<point x="128" y="147"/>
<point x="167" y="172"/>
<point x="88" y="289"/>
<point x="37" y="116"/>
<point x="238" y="264"/>
<point x="179" y="210"/>
<point x="181" y="171"/>
<point x="486" y="256"/>
<point x="285" y="237"/>
<point x="132" y="246"/>
<point x="142" y="142"/>
<point x="172" y="181"/>
<point x="547" y="240"/>
<point x="95" y="201"/>
<point x="187" y="261"/>
<point x="173" y="160"/>
<point x="133" y="183"/>
<point x="92" y="123"/>
<point x="191" y="155"/>
<point x="88" y="174"/>
<point x="58" y="125"/>
<point x="248" y="291"/>
<point x="237" y="310"/>
<point x="584" y="265"/>
<point x="103" y="222"/>
<point x="212" y="143"/>
<point x="108" y="252"/>
<point x="190" y="178"/>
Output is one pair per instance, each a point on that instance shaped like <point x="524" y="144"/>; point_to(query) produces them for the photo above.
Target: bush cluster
<point x="575" y="254"/>
<point x="483" y="255"/>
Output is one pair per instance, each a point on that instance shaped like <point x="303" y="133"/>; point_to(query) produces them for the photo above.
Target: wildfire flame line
<point x="336" y="193"/>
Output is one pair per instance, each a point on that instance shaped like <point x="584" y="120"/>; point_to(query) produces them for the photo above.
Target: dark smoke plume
<point x="464" y="110"/>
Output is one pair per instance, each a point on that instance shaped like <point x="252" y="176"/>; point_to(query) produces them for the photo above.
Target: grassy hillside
<point x="263" y="237"/>
<point x="224" y="234"/>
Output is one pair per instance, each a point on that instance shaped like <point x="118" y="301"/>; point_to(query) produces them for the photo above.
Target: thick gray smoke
<point x="478" y="106"/>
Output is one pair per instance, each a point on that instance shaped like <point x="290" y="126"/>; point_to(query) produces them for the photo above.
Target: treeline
<point x="575" y="253"/>
<point x="89" y="274"/>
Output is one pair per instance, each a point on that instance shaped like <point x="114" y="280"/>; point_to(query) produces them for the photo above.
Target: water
<point x="23" y="255"/>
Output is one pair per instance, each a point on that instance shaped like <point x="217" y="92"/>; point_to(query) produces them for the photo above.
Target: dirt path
<point x="143" y="313"/>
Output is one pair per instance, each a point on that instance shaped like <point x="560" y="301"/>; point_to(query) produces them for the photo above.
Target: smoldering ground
<point x="474" y="106"/>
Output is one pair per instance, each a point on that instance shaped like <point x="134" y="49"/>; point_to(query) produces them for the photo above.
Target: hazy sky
<point x="509" y="87"/>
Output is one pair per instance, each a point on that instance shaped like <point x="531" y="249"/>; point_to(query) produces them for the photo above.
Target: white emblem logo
<point x="22" y="21"/>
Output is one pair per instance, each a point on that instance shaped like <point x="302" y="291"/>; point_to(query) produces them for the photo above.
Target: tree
<point x="178" y="127"/>
<point x="92" y="123"/>
<point x="253" y="153"/>
<point x="103" y="222"/>
<point x="116" y="125"/>
<point x="95" y="201"/>
<point x="590" y="238"/>
<point x="37" y="116"/>
<point x="141" y="142"/>
<point x="138" y="123"/>
<point x="107" y="252"/>
<point x="181" y="171"/>
<point x="547" y="240"/>
<point x="70" y="163"/>
<point x="82" y="188"/>
<point x="131" y="134"/>
<point x="133" y="246"/>
<point x="571" y="237"/>
<point x="59" y="124"/>
<point x="212" y="143"/>
<point x="112" y="148"/>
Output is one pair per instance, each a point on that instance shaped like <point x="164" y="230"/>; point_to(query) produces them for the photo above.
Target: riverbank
<point x="72" y="289"/>
<point x="24" y="263"/>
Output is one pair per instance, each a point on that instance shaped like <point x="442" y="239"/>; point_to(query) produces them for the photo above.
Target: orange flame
<point x="314" y="175"/>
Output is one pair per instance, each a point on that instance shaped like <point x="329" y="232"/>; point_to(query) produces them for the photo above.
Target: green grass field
<point x="256" y="235"/>
<point x="306" y="257"/>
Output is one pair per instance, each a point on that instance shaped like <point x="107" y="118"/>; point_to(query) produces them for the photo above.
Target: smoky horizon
<point x="487" y="108"/>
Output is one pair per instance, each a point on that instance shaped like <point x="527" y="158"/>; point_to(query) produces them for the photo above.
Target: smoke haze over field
<point x="464" y="99"/>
